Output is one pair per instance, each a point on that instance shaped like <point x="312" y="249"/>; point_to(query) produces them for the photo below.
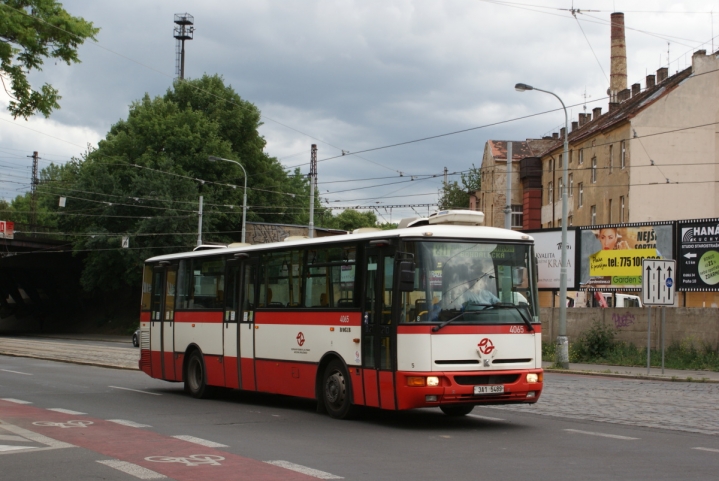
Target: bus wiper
<point x="449" y="321"/>
<point x="521" y="313"/>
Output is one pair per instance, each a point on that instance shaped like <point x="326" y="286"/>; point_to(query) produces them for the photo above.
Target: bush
<point x="595" y="344"/>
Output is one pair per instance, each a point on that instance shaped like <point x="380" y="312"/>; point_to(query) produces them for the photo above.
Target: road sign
<point x="658" y="284"/>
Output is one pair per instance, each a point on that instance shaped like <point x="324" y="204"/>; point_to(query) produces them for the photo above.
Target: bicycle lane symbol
<point x="191" y="460"/>
<point x="66" y="424"/>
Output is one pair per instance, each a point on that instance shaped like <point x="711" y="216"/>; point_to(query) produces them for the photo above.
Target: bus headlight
<point x="533" y="377"/>
<point x="432" y="381"/>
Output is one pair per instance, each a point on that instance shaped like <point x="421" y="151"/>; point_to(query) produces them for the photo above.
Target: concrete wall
<point x="687" y="326"/>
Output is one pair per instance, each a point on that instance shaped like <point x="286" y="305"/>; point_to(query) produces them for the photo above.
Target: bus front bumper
<point x="468" y="387"/>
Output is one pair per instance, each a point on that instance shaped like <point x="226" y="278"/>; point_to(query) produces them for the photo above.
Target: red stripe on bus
<point x="169" y="366"/>
<point x="145" y="316"/>
<point x="247" y="365"/>
<point x="370" y="388"/>
<point x="231" y="379"/>
<point x="475" y="329"/>
<point x="289" y="378"/>
<point x="215" y="370"/>
<point x="309" y="318"/>
<point x="198" y="316"/>
<point x="386" y="389"/>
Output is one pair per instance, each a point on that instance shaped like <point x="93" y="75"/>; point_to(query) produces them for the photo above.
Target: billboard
<point x="698" y="255"/>
<point x="612" y="255"/>
<point x="7" y="229"/>
<point x="548" y="249"/>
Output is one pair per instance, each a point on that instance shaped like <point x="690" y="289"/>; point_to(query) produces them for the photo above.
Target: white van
<point x="620" y="300"/>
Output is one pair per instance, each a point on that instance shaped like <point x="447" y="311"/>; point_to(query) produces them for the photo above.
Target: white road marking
<point x="132" y="469"/>
<point x="38" y="438"/>
<point x="131" y="424"/>
<point x="707" y="449"/>
<point x="4" y="448"/>
<point x="135" y="390"/>
<point x="304" y="469"/>
<point x="10" y="437"/>
<point x="200" y="441"/>
<point x="64" y="411"/>
<point x="16" y="401"/>
<point x="16" y="372"/>
<point x="486" y="418"/>
<point x="604" y="435"/>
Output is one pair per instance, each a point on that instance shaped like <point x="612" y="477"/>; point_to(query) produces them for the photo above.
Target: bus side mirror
<point x="406" y="276"/>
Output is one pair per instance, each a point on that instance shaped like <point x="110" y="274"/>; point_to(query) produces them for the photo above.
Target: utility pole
<point x="33" y="189"/>
<point x="508" y="207"/>
<point x="199" y="225"/>
<point x="445" y="177"/>
<point x="183" y="31"/>
<point x="313" y="183"/>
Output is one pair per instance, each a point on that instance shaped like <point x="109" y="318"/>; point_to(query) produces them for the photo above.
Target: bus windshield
<point x="471" y="283"/>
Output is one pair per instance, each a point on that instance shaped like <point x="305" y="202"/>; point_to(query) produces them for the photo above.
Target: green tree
<point x="32" y="30"/>
<point x="145" y="178"/>
<point x="456" y="196"/>
<point x="350" y="220"/>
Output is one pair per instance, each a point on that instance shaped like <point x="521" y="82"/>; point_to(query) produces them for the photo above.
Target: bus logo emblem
<point x="485" y="346"/>
<point x="300" y="339"/>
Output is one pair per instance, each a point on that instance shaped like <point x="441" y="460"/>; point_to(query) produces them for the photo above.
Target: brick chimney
<point x="555" y="135"/>
<point x="575" y="126"/>
<point x="561" y="132"/>
<point x="618" y="72"/>
<point x="583" y="119"/>
<point x="650" y="81"/>
<point x="597" y="112"/>
<point x="636" y="89"/>
<point x="662" y="74"/>
<point x="624" y="95"/>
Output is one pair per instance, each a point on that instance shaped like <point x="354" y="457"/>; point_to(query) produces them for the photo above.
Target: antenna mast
<point x="183" y="31"/>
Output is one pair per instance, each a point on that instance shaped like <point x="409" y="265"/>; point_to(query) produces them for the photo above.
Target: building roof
<point x="624" y="111"/>
<point x="520" y="148"/>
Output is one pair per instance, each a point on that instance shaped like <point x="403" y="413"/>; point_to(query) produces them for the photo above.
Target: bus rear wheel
<point x="196" y="377"/>
<point x="336" y="391"/>
<point x="457" y="410"/>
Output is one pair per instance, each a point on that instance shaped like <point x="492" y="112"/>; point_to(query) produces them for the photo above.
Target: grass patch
<point x="598" y="346"/>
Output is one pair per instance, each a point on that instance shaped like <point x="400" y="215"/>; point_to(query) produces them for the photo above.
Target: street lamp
<point x="244" y="195"/>
<point x="562" y="352"/>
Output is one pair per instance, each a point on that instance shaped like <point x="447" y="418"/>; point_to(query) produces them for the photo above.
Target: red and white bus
<point x="437" y="314"/>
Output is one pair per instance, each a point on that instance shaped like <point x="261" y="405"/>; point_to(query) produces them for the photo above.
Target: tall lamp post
<point x="562" y="352"/>
<point x="244" y="195"/>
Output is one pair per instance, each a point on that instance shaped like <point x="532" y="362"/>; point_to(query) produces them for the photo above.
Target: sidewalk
<point x="655" y="373"/>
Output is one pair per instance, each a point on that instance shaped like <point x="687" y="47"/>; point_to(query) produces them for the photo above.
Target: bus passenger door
<point x="162" y="330"/>
<point x="156" y="313"/>
<point x="229" y="324"/>
<point x="246" y="325"/>
<point x="378" y="329"/>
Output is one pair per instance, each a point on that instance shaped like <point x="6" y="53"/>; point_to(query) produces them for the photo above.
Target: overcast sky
<point x="356" y="75"/>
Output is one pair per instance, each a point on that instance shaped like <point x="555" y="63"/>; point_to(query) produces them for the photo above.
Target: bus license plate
<point x="495" y="389"/>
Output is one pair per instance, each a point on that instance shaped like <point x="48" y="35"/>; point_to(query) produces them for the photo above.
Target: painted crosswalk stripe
<point x="131" y="424"/>
<point x="65" y="411"/>
<point x="132" y="469"/>
<point x="4" y="448"/>
<point x="16" y="372"/>
<point x="303" y="469"/>
<point x="200" y="441"/>
<point x="16" y="401"/>
<point x="707" y="449"/>
<point x="604" y="435"/>
<point x="135" y="390"/>
<point x="486" y="418"/>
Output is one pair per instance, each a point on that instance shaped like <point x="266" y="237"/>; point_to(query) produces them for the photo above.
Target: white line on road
<point x="604" y="435"/>
<point x="132" y="469"/>
<point x="38" y="438"/>
<point x="16" y="372"/>
<point x="707" y="449"/>
<point x="304" y="469"/>
<point x="11" y="437"/>
<point x="135" y="390"/>
<point x="16" y="401"/>
<point x="65" y="411"/>
<point x="131" y="424"/>
<point x="200" y="441"/>
<point x="486" y="418"/>
<point x="4" y="448"/>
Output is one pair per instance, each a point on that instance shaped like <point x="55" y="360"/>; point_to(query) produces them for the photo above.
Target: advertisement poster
<point x="548" y="249"/>
<point x="612" y="255"/>
<point x="698" y="255"/>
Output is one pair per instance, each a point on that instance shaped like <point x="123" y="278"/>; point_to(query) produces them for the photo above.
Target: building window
<point x="594" y="170"/>
<point x="569" y="221"/>
<point x="571" y="185"/>
<point x="621" y="209"/>
<point x="551" y="166"/>
<point x="560" y="194"/>
<point x="571" y="154"/>
<point x="611" y="158"/>
<point x="610" y="211"/>
<point x="594" y="215"/>
<point x="550" y="192"/>
<point x="623" y="154"/>
<point x="560" y="160"/>
<point x="581" y="156"/>
<point x="580" y="200"/>
<point x="517" y="217"/>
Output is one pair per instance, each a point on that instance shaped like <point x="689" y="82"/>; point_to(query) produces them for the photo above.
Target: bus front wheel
<point x="457" y="410"/>
<point x="336" y="391"/>
<point x="196" y="377"/>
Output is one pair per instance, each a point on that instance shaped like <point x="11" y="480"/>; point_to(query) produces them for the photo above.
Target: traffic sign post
<point x="658" y="289"/>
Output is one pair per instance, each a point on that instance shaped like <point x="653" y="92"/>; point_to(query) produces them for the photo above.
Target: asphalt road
<point x="86" y="422"/>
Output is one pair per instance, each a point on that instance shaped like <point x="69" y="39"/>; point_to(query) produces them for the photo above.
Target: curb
<point x="71" y="361"/>
<point x="643" y="377"/>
